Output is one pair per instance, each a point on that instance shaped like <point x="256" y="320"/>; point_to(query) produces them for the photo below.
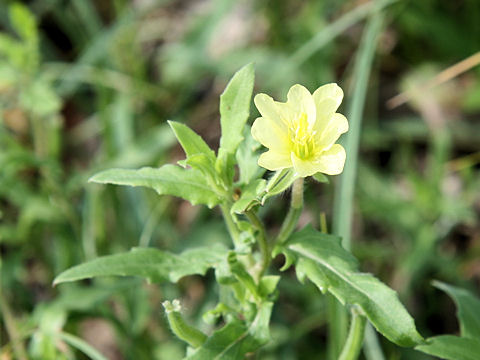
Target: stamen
<point x="301" y="140"/>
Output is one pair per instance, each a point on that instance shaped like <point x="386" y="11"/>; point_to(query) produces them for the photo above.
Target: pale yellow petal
<point x="267" y="107"/>
<point x="331" y="162"/>
<point x="286" y="112"/>
<point x="328" y="132"/>
<point x="304" y="167"/>
<point x="300" y="99"/>
<point x="269" y="133"/>
<point x="273" y="160"/>
<point x="327" y="99"/>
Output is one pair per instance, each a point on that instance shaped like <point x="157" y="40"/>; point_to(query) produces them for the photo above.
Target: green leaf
<point x="23" y="22"/>
<point x="466" y="347"/>
<point x="322" y="259"/>
<point x="235" y="108"/>
<point x="251" y="196"/>
<point x="191" y="142"/>
<point x="268" y="284"/>
<point x="152" y="264"/>
<point x="81" y="345"/>
<point x="451" y="347"/>
<point x="260" y="326"/>
<point x="279" y="182"/>
<point x="231" y="342"/>
<point x="189" y="184"/>
<point x="247" y="159"/>
<point x="237" y="268"/>
<point x="236" y="339"/>
<point x="320" y="178"/>
<point x="40" y="99"/>
<point x="202" y="163"/>
<point x="12" y="50"/>
<point x="468" y="309"/>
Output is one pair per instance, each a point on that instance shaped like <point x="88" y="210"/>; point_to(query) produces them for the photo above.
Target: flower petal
<point x="286" y="112"/>
<point x="327" y="99"/>
<point x="273" y="160"/>
<point x="304" y="167"/>
<point x="328" y="132"/>
<point x="269" y="133"/>
<point x="267" y="107"/>
<point x="300" y="99"/>
<point x="331" y="162"/>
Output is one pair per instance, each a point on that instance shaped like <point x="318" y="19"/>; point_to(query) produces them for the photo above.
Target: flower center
<point x="301" y="138"/>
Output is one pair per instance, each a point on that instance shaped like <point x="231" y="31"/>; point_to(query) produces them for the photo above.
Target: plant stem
<point x="11" y="327"/>
<point x="232" y="228"/>
<point x="372" y="349"/>
<point x="355" y="337"/>
<point x="294" y="212"/>
<point x="262" y="241"/>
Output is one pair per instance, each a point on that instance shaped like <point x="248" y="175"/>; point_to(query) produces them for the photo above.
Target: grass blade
<point x="82" y="345"/>
<point x="334" y="29"/>
<point x="343" y="204"/>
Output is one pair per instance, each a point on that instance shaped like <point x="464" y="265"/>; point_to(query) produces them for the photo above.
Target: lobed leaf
<point x="152" y="264"/>
<point x="466" y="347"/>
<point x="189" y="184"/>
<point x="236" y="339"/>
<point x="191" y="142"/>
<point x="322" y="259"/>
<point x="451" y="347"/>
<point x="468" y="309"/>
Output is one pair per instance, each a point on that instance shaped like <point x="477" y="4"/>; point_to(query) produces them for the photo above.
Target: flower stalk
<point x="180" y="328"/>
<point x="354" y="342"/>
<point x="296" y="206"/>
<point x="230" y="222"/>
<point x="262" y="242"/>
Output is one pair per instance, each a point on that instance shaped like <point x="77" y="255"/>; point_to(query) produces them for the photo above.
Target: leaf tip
<point x="96" y="178"/>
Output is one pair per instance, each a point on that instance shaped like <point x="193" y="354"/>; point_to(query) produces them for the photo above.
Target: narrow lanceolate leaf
<point x="451" y="347"/>
<point x="468" y="310"/>
<point x="81" y="345"/>
<point x="235" y="108"/>
<point x="236" y="339"/>
<point x="322" y="259"/>
<point x="152" y="264"/>
<point x="189" y="184"/>
<point x="191" y="142"/>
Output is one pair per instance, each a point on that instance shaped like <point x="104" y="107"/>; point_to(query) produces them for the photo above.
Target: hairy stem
<point x="232" y="228"/>
<point x="294" y="212"/>
<point x="180" y="328"/>
<point x="262" y="241"/>
<point x="354" y="342"/>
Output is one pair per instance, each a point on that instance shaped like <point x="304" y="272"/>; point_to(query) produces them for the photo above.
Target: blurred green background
<point x="87" y="85"/>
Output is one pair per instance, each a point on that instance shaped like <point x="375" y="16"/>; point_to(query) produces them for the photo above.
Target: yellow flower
<point x="301" y="133"/>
